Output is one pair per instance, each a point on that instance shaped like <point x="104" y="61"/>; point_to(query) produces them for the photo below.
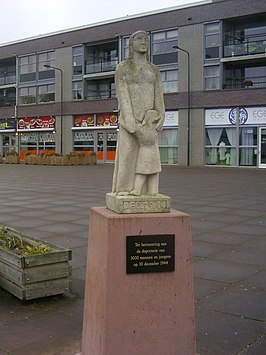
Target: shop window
<point x="27" y="95"/>
<point x="212" y="40"/>
<point x="78" y="59"/>
<point x="46" y="141"/>
<point x="162" y="47"/>
<point x="37" y="141"/>
<point x="77" y="90"/>
<point x="46" y="93"/>
<point x="212" y="77"/>
<point x="169" y="80"/>
<point x="168" y="146"/>
<point x="248" y="146"/>
<point x="83" y="141"/>
<point x="220" y="146"/>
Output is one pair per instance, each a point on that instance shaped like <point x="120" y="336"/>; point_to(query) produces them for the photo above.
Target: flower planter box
<point x="38" y="275"/>
<point x="12" y="159"/>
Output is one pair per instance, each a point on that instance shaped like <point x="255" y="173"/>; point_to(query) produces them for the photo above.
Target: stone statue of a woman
<point x="141" y="116"/>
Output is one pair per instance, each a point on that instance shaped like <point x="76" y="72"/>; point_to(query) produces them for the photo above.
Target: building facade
<point x="57" y="91"/>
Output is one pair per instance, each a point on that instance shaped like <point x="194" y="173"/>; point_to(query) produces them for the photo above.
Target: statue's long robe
<point x="138" y="90"/>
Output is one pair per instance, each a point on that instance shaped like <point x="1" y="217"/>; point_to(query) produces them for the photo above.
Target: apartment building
<point x="57" y="91"/>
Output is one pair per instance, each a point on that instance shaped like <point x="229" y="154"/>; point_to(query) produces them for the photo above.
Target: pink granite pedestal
<point x="140" y="313"/>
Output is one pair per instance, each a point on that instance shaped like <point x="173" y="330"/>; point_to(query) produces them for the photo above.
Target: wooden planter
<point x="12" y="159"/>
<point x="34" y="276"/>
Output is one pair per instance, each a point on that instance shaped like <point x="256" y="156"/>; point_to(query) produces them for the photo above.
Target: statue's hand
<point x="159" y="126"/>
<point x="131" y="128"/>
<point x="129" y="124"/>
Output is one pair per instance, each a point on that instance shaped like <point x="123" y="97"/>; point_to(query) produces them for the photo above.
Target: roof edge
<point x="101" y="23"/>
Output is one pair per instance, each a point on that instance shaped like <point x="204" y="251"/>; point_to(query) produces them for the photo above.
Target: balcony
<point x="7" y="79"/>
<point x="235" y="83"/>
<point x="7" y="97"/>
<point x="100" y="65"/>
<point x="7" y="102"/>
<point x="246" y="47"/>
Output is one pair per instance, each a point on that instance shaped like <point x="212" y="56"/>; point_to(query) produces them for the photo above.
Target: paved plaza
<point x="228" y="217"/>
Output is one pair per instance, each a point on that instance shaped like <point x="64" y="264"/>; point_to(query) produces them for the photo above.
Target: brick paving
<point x="228" y="217"/>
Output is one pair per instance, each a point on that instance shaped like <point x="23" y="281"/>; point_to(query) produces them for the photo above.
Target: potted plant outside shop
<point x="12" y="158"/>
<point x="31" y="268"/>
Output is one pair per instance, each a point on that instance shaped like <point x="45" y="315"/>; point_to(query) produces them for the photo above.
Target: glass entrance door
<point x="106" y="146"/>
<point x="9" y="144"/>
<point x="262" y="147"/>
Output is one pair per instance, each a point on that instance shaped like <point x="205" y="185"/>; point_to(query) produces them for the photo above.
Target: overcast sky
<point x="21" y="19"/>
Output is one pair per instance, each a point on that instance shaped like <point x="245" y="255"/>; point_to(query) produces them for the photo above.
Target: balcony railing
<point x="100" y="94"/>
<point x="7" y="102"/>
<point x="247" y="47"/>
<point x="258" y="82"/>
<point x="100" y="65"/>
<point x="7" y="79"/>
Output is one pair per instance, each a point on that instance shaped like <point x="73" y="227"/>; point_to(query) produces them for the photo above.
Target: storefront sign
<point x="171" y="119"/>
<point x="36" y="123"/>
<point x="150" y="253"/>
<point x="7" y="124"/>
<point x="84" y="120"/>
<point x="229" y="116"/>
<point x="106" y="119"/>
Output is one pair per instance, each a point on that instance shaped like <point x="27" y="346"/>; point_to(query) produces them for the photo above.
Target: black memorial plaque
<point x="150" y="253"/>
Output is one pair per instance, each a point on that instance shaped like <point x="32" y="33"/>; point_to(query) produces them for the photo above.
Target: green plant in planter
<point x="15" y="243"/>
<point x="12" y="152"/>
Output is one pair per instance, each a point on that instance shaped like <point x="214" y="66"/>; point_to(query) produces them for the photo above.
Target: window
<point x="27" y="95"/>
<point x="168" y="146"/>
<point x="162" y="47"/>
<point x="212" y="78"/>
<point x="77" y="90"/>
<point x="46" y="93"/>
<point x="125" y="47"/>
<point x="169" y="80"/>
<point x="77" y="60"/>
<point x="100" y="89"/>
<point x="7" y="74"/>
<point x="221" y="146"/>
<point x="83" y="140"/>
<point x="27" y="68"/>
<point x="245" y="76"/>
<point x="212" y="40"/>
<point x="37" y="141"/>
<point x="248" y="146"/>
<point x="101" y="57"/>
<point x="46" y="58"/>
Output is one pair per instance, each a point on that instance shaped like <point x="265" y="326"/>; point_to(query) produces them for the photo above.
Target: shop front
<point x="36" y="135"/>
<point x="236" y="136"/>
<point x="96" y="133"/>
<point x="8" y="143"/>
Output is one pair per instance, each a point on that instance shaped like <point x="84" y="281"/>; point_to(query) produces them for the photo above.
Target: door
<point x="262" y="147"/>
<point x="9" y="144"/>
<point x="106" y="146"/>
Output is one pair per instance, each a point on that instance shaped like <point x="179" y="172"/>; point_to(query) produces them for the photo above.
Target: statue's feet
<point x="135" y="192"/>
<point x="123" y="193"/>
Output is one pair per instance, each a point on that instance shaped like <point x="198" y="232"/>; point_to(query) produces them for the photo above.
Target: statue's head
<point x="139" y="41"/>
